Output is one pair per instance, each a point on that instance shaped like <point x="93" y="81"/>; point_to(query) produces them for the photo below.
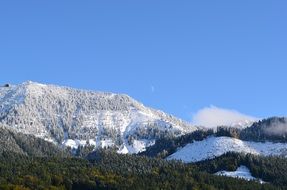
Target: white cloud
<point x="212" y="117"/>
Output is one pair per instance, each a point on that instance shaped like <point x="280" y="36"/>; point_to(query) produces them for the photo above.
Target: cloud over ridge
<point x="213" y="116"/>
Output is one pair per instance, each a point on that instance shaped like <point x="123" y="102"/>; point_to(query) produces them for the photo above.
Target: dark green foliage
<point x="270" y="169"/>
<point x="27" y="162"/>
<point x="108" y="170"/>
<point x="84" y="151"/>
<point x="27" y="144"/>
<point x="228" y="132"/>
<point x="272" y="129"/>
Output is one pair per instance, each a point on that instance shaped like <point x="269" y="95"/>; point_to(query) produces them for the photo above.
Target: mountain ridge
<point x="73" y="117"/>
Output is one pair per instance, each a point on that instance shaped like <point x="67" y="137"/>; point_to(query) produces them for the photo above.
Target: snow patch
<point x="74" y="144"/>
<point x="242" y="173"/>
<point x="108" y="143"/>
<point x="136" y="147"/>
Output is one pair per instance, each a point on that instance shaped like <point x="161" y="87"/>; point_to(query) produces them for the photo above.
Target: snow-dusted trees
<point x="56" y="113"/>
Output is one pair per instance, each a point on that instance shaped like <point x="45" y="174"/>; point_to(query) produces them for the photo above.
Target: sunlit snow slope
<point x="71" y="117"/>
<point x="216" y="146"/>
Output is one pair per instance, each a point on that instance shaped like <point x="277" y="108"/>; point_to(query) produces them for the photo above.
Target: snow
<point x="216" y="146"/>
<point x="107" y="143"/>
<point x="74" y="144"/>
<point x="72" y="116"/>
<point x="123" y="150"/>
<point x="136" y="147"/>
<point x="242" y="173"/>
<point x="92" y="142"/>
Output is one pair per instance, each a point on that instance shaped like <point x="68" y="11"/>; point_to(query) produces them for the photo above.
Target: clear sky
<point x="178" y="56"/>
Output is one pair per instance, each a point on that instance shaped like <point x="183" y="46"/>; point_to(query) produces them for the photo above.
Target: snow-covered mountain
<point x="212" y="147"/>
<point x="72" y="117"/>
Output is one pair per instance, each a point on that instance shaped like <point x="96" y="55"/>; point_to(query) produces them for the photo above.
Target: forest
<point x="267" y="130"/>
<point x="108" y="170"/>
<point x="27" y="163"/>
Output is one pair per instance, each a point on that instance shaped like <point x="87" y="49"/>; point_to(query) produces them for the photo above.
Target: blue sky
<point x="178" y="56"/>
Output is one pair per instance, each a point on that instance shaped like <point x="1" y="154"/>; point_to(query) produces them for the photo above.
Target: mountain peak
<point x="74" y="117"/>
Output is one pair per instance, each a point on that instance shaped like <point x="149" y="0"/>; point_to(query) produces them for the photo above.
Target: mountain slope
<point x="23" y="144"/>
<point x="212" y="147"/>
<point x="74" y="117"/>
